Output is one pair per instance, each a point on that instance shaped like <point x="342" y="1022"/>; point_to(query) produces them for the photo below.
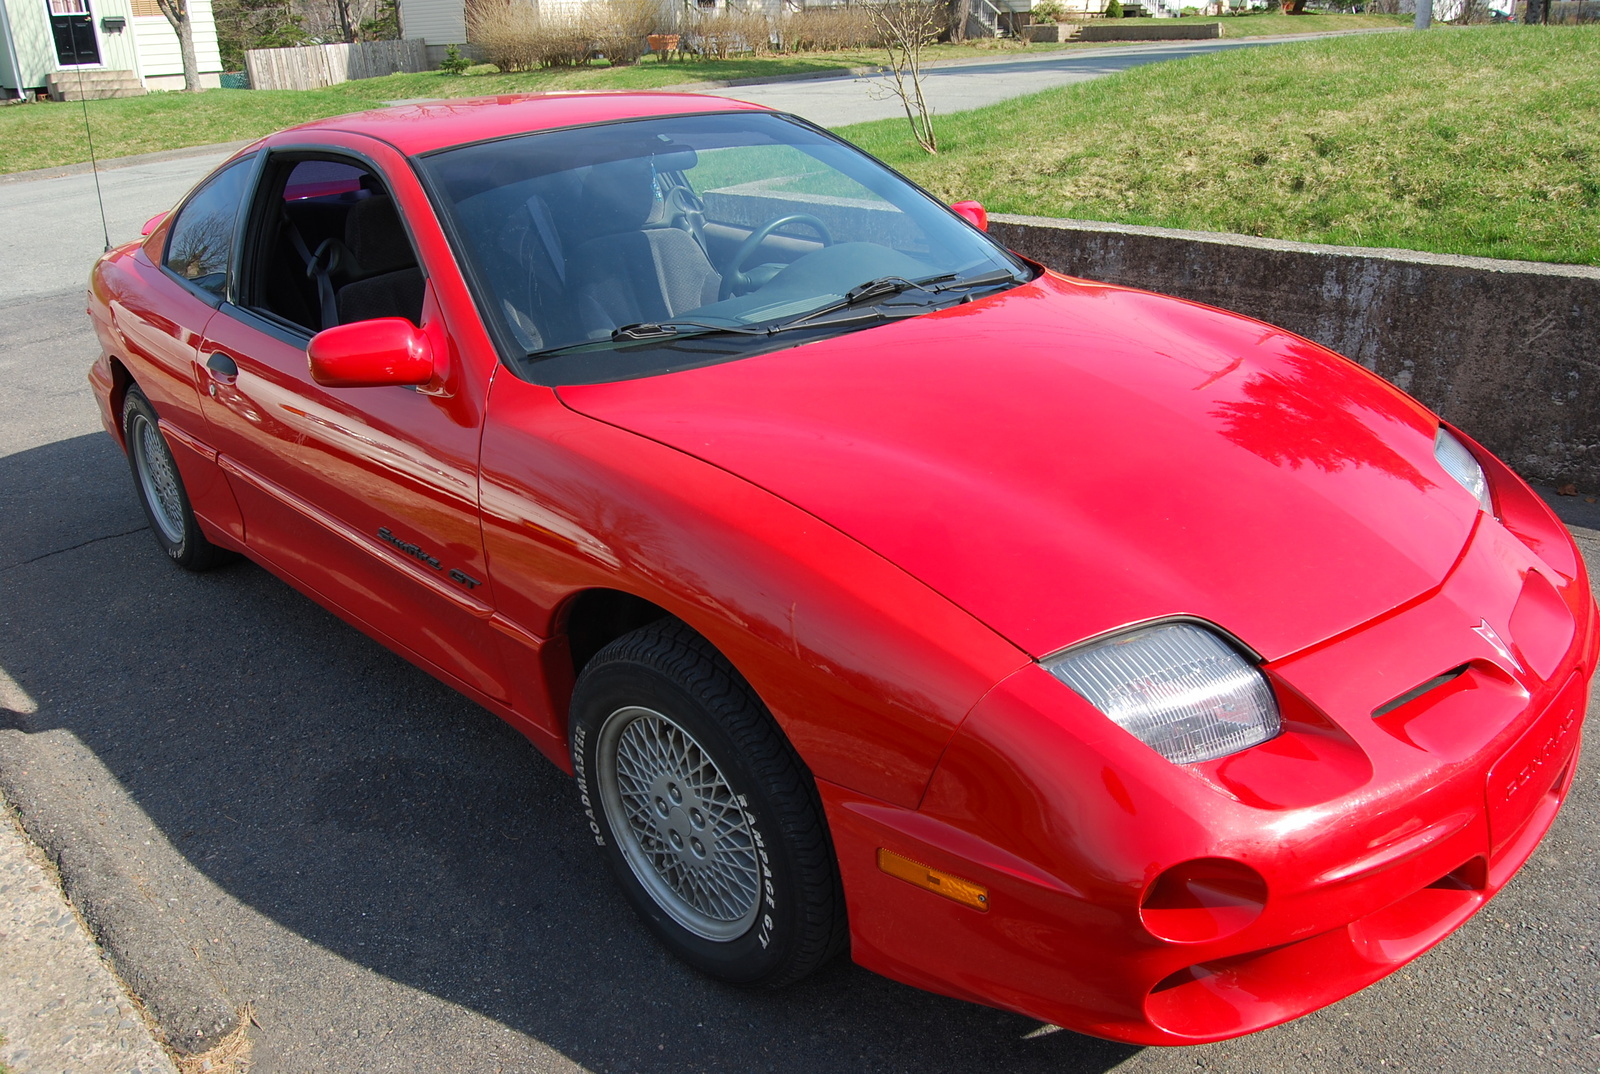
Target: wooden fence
<point x="315" y="66"/>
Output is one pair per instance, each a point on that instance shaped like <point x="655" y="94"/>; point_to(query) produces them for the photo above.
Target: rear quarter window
<point x="202" y="237"/>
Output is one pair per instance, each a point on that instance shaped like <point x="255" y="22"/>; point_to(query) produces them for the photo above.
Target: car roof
<point x="423" y="126"/>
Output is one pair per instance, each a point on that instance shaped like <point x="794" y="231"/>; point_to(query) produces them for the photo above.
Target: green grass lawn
<point x="47" y="135"/>
<point x="1472" y="141"/>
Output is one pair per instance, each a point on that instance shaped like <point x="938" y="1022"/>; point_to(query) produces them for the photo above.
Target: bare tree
<point x="960" y="12"/>
<point x="177" y="13"/>
<point x="906" y="26"/>
<point x="347" y="30"/>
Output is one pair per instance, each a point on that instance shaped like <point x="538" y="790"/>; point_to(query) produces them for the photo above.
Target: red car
<point x="1108" y="658"/>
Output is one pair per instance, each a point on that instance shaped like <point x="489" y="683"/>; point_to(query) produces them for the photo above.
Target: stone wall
<point x="1507" y="350"/>
<point x="1166" y="30"/>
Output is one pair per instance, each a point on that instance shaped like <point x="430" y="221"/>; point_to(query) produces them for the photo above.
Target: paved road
<point x="398" y="883"/>
<point x="956" y="88"/>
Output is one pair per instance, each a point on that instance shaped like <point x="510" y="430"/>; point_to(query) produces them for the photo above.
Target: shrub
<point x="454" y="63"/>
<point x="1113" y="9"/>
<point x="1049" y="11"/>
<point x="620" y="27"/>
<point x="829" y="29"/>
<point x="516" y="37"/>
<point x="726" y="32"/>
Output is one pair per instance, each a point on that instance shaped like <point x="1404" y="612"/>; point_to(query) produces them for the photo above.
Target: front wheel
<point x="709" y="820"/>
<point x="161" y="491"/>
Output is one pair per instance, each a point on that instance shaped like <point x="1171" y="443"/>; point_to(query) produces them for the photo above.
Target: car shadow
<point x="325" y="783"/>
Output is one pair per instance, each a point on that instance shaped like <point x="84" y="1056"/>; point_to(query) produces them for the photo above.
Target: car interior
<point x="334" y="251"/>
<point x="641" y="248"/>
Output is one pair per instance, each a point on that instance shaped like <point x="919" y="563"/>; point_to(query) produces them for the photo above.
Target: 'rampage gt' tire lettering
<point x="708" y="818"/>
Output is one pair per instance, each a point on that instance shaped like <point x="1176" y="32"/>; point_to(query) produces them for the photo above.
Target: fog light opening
<point x="1202" y="900"/>
<point x="1472" y="875"/>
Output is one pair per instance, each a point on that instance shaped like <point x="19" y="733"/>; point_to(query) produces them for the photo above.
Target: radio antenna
<point x="88" y="135"/>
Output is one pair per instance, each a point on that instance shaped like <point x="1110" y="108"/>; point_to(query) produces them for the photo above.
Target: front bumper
<point x="1375" y="837"/>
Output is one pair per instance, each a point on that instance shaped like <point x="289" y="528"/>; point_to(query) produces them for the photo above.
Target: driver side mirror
<point x="973" y="213"/>
<point x="155" y="221"/>
<point x="371" y="354"/>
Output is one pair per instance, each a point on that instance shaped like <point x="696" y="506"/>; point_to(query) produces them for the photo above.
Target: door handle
<point x="221" y="369"/>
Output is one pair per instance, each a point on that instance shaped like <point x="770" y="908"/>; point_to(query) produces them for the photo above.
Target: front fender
<point x="867" y="670"/>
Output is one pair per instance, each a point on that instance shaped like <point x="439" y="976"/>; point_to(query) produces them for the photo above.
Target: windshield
<point x="638" y="247"/>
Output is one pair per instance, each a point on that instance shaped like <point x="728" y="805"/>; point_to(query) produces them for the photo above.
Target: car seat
<point x="628" y="271"/>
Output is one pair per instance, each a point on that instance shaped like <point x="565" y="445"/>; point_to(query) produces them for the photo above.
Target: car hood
<point x="1066" y="457"/>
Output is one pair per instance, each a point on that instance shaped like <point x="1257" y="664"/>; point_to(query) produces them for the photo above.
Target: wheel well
<point x="597" y="617"/>
<point x="121" y="381"/>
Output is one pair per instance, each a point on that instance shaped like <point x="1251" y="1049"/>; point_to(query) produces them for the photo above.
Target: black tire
<point x="661" y="684"/>
<point x="159" y="486"/>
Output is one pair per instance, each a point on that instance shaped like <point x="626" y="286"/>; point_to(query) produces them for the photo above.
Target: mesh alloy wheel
<point x="678" y="823"/>
<point x="159" y="484"/>
<point x="710" y="822"/>
<point x="158" y="479"/>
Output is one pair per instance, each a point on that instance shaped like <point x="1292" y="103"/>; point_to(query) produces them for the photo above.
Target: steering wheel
<point x="736" y="279"/>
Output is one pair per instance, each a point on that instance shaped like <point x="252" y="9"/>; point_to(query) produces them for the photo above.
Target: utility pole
<point x="1425" y="14"/>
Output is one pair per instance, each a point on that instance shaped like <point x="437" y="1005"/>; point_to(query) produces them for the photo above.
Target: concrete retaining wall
<point x="1507" y="350"/>
<point x="1167" y="30"/>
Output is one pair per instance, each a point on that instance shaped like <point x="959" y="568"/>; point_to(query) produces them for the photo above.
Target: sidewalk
<point x="61" y="1010"/>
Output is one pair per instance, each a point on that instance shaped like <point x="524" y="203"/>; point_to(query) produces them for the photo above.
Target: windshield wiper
<point x="983" y="279"/>
<point x="665" y="329"/>
<point x="644" y="331"/>
<point x="882" y="287"/>
<point x="886" y="286"/>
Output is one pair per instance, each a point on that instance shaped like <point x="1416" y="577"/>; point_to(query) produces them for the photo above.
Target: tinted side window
<point x="202" y="236"/>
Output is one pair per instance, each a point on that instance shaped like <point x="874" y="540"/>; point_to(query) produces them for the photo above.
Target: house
<point x="101" y="48"/>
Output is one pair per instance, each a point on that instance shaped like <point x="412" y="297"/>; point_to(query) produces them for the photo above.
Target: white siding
<point x="437" y="22"/>
<point x="158" y="45"/>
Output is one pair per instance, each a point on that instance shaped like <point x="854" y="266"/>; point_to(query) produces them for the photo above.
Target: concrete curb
<point x="1503" y="349"/>
<point x="42" y="775"/>
<point x="61" y="1008"/>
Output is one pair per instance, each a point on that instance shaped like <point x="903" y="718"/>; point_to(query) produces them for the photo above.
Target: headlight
<point x="1459" y="464"/>
<point x="1177" y="687"/>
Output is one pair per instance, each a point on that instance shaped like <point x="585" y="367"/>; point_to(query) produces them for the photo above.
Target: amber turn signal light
<point x="951" y="887"/>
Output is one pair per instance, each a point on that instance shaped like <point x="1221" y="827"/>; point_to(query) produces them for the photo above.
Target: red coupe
<point x="1119" y="661"/>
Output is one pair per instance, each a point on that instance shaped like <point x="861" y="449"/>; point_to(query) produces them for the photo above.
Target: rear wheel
<point x="710" y="821"/>
<point x="161" y="491"/>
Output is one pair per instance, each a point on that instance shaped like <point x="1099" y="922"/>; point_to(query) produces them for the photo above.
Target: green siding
<point x="36" y="51"/>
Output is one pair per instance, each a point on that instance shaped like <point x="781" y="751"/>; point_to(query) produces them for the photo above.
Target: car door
<point x="366" y="498"/>
<point x="159" y="302"/>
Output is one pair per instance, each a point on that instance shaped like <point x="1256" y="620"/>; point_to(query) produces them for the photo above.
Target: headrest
<point x="619" y="196"/>
<point x="373" y="233"/>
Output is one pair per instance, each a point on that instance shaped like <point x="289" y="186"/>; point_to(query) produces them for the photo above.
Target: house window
<point x="69" y="7"/>
<point x="146" y="7"/>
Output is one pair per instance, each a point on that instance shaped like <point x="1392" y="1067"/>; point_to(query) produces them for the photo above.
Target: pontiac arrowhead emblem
<point x="1492" y="636"/>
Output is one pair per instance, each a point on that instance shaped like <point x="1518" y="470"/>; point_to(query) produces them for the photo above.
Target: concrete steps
<point x="93" y="85"/>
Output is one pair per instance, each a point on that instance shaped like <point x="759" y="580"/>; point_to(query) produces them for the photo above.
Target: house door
<point x="72" y="25"/>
